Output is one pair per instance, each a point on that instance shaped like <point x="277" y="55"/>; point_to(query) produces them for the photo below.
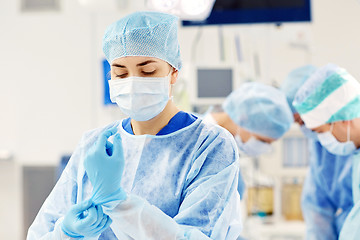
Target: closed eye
<point x="122" y="75"/>
<point x="148" y="73"/>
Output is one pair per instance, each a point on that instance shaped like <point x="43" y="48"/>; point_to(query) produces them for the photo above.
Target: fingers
<point x="105" y="223"/>
<point x="103" y="137"/>
<point x="91" y="217"/>
<point x="117" y="146"/>
<point x="109" y="148"/>
<point x="102" y="223"/>
<point x="81" y="207"/>
<point x="100" y="215"/>
<point x="90" y="220"/>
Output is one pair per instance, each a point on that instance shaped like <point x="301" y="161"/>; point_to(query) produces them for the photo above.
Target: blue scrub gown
<point x="327" y="193"/>
<point x="183" y="179"/>
<point x="351" y="228"/>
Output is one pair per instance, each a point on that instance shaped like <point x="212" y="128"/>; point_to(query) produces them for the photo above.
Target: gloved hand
<point x="85" y="220"/>
<point x="104" y="165"/>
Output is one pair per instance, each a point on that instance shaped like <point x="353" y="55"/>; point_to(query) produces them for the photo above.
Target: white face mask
<point x="253" y="147"/>
<point x="331" y="144"/>
<point x="141" y="98"/>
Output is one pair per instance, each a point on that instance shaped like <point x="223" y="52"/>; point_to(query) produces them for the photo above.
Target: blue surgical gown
<point x="207" y="117"/>
<point x="327" y="193"/>
<point x="351" y="228"/>
<point x="184" y="182"/>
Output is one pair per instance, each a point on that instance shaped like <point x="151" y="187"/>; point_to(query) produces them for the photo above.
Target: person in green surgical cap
<point x="327" y="193"/>
<point x="329" y="104"/>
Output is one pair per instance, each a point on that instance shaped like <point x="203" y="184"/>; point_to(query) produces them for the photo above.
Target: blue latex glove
<point x="104" y="165"/>
<point x="85" y="220"/>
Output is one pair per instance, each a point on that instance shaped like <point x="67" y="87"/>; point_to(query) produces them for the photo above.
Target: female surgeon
<point x="161" y="173"/>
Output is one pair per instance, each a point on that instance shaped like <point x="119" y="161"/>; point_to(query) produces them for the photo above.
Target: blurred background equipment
<point x="186" y="9"/>
<point x="40" y="5"/>
<point x="256" y="11"/>
<point x="291" y="199"/>
<point x="37" y="182"/>
<point x="295" y="152"/>
<point x="211" y="84"/>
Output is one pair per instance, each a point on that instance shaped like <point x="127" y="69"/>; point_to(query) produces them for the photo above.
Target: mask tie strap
<point x="171" y="97"/>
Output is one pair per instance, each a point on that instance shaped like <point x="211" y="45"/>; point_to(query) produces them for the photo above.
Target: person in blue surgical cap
<point x="327" y="192"/>
<point x="256" y="115"/>
<point x="161" y="173"/>
<point x="329" y="104"/>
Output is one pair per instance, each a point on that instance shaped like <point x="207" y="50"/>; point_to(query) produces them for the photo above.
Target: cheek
<point x="340" y="134"/>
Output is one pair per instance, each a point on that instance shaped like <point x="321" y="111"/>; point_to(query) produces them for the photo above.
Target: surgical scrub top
<point x="327" y="193"/>
<point x="180" y="185"/>
<point x="351" y="228"/>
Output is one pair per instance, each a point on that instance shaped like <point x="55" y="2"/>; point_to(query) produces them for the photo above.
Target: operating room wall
<point x="46" y="90"/>
<point x="51" y="79"/>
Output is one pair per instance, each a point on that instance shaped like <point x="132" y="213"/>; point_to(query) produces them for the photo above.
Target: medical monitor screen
<point x="256" y="11"/>
<point x="256" y="4"/>
<point x="214" y="83"/>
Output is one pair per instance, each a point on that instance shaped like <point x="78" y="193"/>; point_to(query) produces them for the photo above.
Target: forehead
<point x="135" y="60"/>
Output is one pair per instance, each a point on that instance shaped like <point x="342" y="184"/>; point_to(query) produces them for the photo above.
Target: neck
<point x="223" y="119"/>
<point x="154" y="125"/>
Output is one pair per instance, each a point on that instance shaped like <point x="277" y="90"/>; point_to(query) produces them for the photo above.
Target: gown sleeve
<point x="47" y="224"/>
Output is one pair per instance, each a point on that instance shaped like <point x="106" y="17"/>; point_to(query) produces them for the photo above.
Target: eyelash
<point x="148" y="73"/>
<point x="121" y="76"/>
<point x="145" y="73"/>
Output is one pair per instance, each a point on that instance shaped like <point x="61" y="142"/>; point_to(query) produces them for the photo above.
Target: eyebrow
<point x="138" y="65"/>
<point x="145" y="63"/>
<point x="117" y="65"/>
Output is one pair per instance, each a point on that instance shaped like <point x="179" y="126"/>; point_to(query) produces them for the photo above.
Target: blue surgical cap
<point x="149" y="34"/>
<point x="260" y="109"/>
<point x="294" y="81"/>
<point x="331" y="94"/>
